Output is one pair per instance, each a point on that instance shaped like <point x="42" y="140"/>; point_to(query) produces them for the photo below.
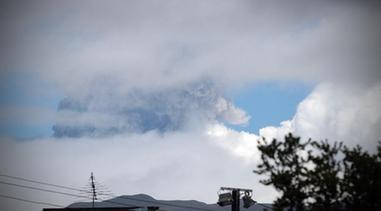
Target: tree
<point x="324" y="176"/>
<point x="362" y="179"/>
<point x="317" y="175"/>
<point x="285" y="166"/>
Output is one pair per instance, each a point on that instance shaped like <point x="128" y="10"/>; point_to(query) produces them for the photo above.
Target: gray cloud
<point x="104" y="111"/>
<point x="138" y="66"/>
<point x="76" y="42"/>
<point x="152" y="50"/>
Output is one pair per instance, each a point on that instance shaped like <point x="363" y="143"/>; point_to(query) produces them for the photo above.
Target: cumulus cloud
<point x="338" y="113"/>
<point x="169" y="166"/>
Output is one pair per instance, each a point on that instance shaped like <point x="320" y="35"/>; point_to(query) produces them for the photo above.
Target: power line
<point x="30" y="201"/>
<point x="74" y="195"/>
<point x="63" y="193"/>
<point x="42" y="189"/>
<point x="50" y="184"/>
<point x="59" y="192"/>
<point x="39" y="182"/>
<point x="109" y="201"/>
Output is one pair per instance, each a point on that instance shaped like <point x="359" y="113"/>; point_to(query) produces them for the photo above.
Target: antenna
<point x="94" y="193"/>
<point x="95" y="190"/>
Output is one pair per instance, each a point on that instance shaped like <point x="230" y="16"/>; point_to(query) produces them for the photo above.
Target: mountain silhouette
<point x="143" y="200"/>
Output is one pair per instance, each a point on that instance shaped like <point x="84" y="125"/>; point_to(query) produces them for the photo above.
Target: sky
<point x="169" y="98"/>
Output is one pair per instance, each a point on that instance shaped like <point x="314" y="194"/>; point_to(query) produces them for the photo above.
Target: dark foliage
<point x="362" y="179"/>
<point x="317" y="175"/>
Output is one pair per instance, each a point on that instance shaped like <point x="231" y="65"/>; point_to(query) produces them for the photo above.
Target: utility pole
<point x="236" y="200"/>
<point x="233" y="197"/>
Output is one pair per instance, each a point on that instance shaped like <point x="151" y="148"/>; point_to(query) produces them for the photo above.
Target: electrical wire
<point x="109" y="201"/>
<point x="56" y="205"/>
<point x="52" y="191"/>
<point x="75" y="195"/>
<point x="42" y="189"/>
<point x="39" y="182"/>
<point x="30" y="201"/>
<point x="62" y="193"/>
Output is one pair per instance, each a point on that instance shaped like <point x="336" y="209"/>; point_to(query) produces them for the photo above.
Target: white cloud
<point x="158" y="164"/>
<point x="338" y="113"/>
<point x="241" y="144"/>
<point x="169" y="166"/>
<point x="273" y="132"/>
<point x="231" y="113"/>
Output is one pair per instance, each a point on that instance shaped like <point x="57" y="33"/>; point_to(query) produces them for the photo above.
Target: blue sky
<point x="269" y="103"/>
<point x="24" y="91"/>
